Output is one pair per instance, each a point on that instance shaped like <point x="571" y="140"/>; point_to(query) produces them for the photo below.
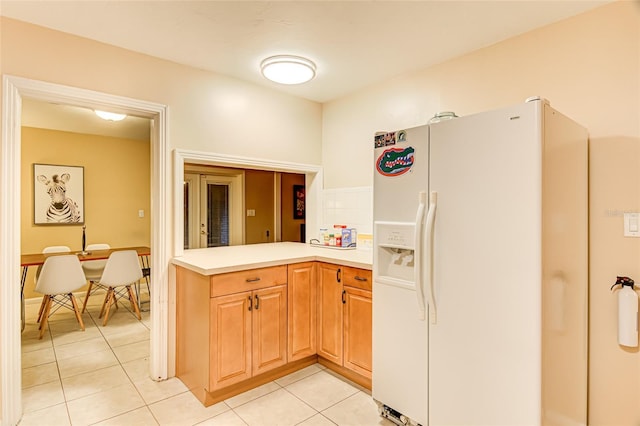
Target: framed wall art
<point x="298" y="201"/>
<point x="58" y="194"/>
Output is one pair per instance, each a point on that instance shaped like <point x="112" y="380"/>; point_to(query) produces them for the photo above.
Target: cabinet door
<point x="357" y="330"/>
<point x="269" y="328"/>
<point x="329" y="315"/>
<point x="301" y="293"/>
<point x="230" y="340"/>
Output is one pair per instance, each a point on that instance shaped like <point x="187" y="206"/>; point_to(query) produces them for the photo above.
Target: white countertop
<point x="218" y="260"/>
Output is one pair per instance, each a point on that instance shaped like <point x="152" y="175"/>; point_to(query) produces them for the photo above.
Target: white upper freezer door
<point x="484" y="350"/>
<point x="401" y="171"/>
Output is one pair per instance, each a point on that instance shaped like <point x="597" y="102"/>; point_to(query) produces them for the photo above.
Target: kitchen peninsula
<point x="246" y="315"/>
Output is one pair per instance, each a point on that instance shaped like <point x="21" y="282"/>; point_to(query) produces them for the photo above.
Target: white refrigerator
<point x="480" y="270"/>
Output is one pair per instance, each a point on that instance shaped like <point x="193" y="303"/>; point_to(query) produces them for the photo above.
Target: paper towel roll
<point x="627" y="317"/>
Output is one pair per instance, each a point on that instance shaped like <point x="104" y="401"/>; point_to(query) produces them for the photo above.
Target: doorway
<point x="14" y="90"/>
<point x="213" y="207"/>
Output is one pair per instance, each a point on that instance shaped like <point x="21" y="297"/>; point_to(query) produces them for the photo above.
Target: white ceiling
<point x="67" y="118"/>
<point x="354" y="43"/>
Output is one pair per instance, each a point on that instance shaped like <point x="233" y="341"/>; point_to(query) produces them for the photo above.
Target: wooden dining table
<point x="36" y="259"/>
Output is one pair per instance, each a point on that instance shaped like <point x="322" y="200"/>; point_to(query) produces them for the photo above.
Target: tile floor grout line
<point x="137" y="370"/>
<point x="111" y="348"/>
<point x="146" y="405"/>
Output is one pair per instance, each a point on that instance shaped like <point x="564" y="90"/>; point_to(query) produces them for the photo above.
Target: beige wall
<point x="116" y="185"/>
<point x="207" y="112"/>
<point x="588" y="67"/>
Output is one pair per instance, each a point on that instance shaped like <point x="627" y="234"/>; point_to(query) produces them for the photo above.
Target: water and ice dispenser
<point x="395" y="252"/>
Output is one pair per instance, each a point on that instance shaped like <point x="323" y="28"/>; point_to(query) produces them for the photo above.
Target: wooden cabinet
<point x="301" y="294"/>
<point x="248" y="335"/>
<point x="230" y="329"/>
<point x="344" y="317"/>
<point x="269" y="329"/>
<point x="230" y="342"/>
<point x="239" y="330"/>
<point x="330" y="326"/>
<point x="357" y="330"/>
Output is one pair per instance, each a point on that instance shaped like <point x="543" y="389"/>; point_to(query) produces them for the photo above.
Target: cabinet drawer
<point x="355" y="277"/>
<point x="252" y="279"/>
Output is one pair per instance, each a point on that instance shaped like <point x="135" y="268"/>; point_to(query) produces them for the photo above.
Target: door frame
<point x="14" y="89"/>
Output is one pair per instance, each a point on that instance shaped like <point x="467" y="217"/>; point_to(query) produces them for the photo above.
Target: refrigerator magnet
<point x="390" y="138"/>
<point x="395" y="161"/>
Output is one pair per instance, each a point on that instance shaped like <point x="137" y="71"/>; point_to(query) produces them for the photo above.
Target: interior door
<point x="220" y="207"/>
<point x="215" y="214"/>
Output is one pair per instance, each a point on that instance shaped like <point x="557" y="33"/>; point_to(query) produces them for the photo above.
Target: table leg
<point x="23" y="278"/>
<point x="146" y="272"/>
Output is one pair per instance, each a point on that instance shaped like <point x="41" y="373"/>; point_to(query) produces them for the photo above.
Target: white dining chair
<point x="59" y="278"/>
<point x="93" y="271"/>
<point x="121" y="272"/>
<point x="48" y="250"/>
<point x="51" y="249"/>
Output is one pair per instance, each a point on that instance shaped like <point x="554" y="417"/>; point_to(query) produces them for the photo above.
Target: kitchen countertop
<point x="219" y="260"/>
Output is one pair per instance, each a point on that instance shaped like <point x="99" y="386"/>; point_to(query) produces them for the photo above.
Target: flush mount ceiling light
<point x="110" y="116"/>
<point x="287" y="69"/>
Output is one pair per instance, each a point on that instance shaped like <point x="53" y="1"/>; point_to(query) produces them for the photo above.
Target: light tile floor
<point x="100" y="377"/>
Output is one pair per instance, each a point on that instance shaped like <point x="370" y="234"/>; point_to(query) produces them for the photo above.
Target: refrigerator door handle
<point x="431" y="219"/>
<point x="417" y="254"/>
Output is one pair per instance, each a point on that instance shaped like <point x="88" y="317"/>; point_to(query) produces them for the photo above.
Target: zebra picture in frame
<point x="58" y="195"/>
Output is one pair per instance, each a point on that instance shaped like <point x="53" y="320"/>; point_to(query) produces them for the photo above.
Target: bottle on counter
<point x="324" y="236"/>
<point x="338" y="231"/>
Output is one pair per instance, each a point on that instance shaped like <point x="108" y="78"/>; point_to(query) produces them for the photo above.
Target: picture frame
<point x="58" y="194"/>
<point x="298" y="201"/>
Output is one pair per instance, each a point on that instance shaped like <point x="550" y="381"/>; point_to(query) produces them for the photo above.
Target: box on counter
<point x="349" y="237"/>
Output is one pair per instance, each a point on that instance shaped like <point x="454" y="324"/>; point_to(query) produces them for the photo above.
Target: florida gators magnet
<point x="395" y="161"/>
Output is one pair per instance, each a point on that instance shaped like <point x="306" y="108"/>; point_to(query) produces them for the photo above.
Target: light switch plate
<point x="632" y="224"/>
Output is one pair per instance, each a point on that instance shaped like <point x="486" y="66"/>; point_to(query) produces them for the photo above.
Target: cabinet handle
<point x="252" y="280"/>
<point x="257" y="302"/>
<point x="344" y="297"/>
<point x="339" y="274"/>
<point x="358" y="278"/>
<point x="250" y="302"/>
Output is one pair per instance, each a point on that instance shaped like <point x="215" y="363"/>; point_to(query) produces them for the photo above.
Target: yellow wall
<point x="259" y="196"/>
<point x="290" y="226"/>
<point x="116" y="185"/>
<point x="588" y="66"/>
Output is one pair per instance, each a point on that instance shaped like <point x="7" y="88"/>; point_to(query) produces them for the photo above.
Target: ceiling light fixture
<point x="287" y="69"/>
<point x="110" y="116"/>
